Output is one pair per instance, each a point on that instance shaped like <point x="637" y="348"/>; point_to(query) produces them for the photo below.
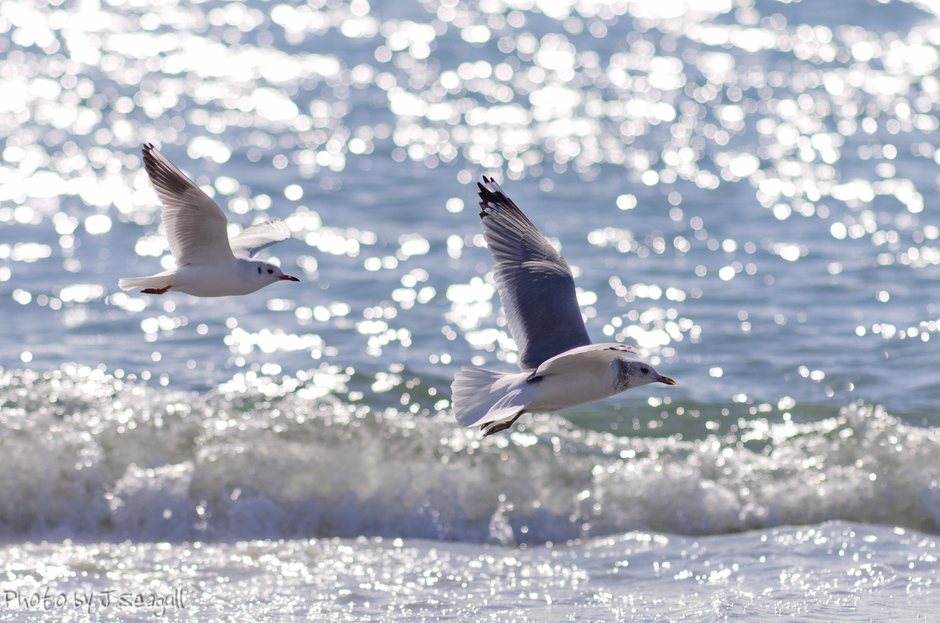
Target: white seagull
<point x="208" y="263"/>
<point x="561" y="368"/>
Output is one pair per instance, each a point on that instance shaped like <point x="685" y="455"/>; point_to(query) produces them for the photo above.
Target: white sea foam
<point x="88" y="455"/>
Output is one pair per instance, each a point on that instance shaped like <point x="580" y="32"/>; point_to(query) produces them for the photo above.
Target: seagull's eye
<point x="645" y="370"/>
<point x="270" y="271"/>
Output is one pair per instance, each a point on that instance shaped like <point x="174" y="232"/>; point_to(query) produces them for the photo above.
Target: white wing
<point x="195" y="224"/>
<point x="578" y="360"/>
<point x="259" y="236"/>
<point x="535" y="284"/>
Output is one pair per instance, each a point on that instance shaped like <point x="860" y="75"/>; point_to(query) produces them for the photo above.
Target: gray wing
<point x="196" y="227"/>
<point x="534" y="282"/>
<point x="259" y="236"/>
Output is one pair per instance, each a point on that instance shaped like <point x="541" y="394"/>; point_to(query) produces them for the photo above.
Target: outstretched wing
<point x="195" y="224"/>
<point x="259" y="236"/>
<point x="534" y="282"/>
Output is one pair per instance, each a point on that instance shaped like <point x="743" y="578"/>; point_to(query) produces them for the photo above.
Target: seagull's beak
<point x="289" y="278"/>
<point x="665" y="380"/>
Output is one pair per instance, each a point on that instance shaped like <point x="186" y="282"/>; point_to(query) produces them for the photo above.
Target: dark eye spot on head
<point x="270" y="271"/>
<point x="645" y="370"/>
<point x="259" y="270"/>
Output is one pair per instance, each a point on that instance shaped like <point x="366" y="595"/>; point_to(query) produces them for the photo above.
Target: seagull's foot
<point x="495" y="428"/>
<point x="500" y="426"/>
<point x="156" y="290"/>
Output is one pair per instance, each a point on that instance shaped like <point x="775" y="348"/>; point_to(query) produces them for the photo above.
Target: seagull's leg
<point x="500" y="426"/>
<point x="495" y="428"/>
<point x="156" y="290"/>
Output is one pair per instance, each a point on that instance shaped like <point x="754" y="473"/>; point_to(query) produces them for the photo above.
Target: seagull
<point x="561" y="368"/>
<point x="208" y="263"/>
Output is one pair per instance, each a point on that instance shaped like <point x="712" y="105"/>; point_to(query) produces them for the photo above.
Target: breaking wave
<point x="86" y="455"/>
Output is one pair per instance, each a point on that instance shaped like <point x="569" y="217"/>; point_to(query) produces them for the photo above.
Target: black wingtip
<point x="483" y="189"/>
<point x="149" y="158"/>
<point x="163" y="174"/>
<point x="497" y="202"/>
<point x="488" y="196"/>
<point x="150" y="161"/>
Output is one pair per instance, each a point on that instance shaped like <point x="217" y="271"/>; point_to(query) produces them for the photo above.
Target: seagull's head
<point x="269" y="273"/>
<point x="631" y="373"/>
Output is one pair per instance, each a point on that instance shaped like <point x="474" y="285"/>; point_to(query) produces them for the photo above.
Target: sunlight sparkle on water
<point x="678" y="99"/>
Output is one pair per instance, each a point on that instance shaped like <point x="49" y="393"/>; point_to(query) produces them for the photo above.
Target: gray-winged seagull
<point x="561" y="368"/>
<point x="208" y="263"/>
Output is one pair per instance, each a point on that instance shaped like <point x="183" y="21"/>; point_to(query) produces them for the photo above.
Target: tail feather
<point x="483" y="396"/>
<point x="132" y="283"/>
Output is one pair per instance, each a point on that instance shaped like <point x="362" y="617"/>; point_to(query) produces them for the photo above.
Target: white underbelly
<point x="212" y="281"/>
<point x="557" y="393"/>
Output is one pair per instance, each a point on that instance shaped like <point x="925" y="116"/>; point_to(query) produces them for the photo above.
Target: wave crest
<point x="87" y="455"/>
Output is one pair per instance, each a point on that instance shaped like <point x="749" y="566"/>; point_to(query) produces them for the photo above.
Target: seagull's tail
<point x="483" y="396"/>
<point x="132" y="283"/>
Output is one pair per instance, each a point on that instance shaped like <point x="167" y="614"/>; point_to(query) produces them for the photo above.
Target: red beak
<point x="289" y="278"/>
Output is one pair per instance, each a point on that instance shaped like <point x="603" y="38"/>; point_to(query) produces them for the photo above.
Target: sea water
<point x="746" y="191"/>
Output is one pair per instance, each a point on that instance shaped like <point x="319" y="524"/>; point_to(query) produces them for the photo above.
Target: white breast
<point x="584" y="382"/>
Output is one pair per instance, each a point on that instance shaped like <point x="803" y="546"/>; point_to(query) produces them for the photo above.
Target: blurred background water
<point x="746" y="190"/>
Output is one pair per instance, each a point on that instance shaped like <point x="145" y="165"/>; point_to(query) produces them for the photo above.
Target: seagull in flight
<point x="561" y="368"/>
<point x="208" y="263"/>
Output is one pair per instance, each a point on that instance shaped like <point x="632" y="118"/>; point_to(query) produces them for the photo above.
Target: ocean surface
<point x="746" y="190"/>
